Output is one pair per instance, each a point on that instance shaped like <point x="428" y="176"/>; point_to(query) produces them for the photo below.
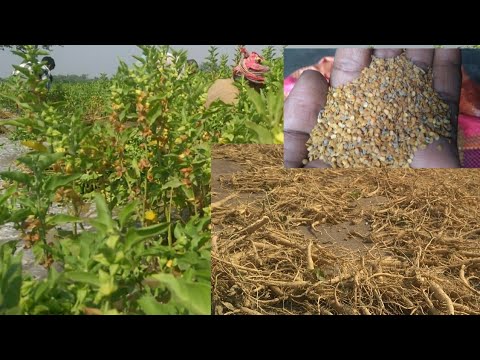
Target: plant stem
<point x="145" y="187"/>
<point x="40" y="213"/>
<point x="169" y="217"/>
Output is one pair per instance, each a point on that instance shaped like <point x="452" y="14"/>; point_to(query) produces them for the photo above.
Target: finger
<point x="301" y="111"/>
<point x="447" y="74"/>
<point x="325" y="66"/>
<point x="447" y="81"/>
<point x="439" y="154"/>
<point x="387" y="53"/>
<point x="348" y="65"/>
<point x="318" y="164"/>
<point x="423" y="58"/>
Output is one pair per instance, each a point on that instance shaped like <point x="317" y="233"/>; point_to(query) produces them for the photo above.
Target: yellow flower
<point x="169" y="263"/>
<point x="35" y="146"/>
<point x="150" y="215"/>
<point x="68" y="168"/>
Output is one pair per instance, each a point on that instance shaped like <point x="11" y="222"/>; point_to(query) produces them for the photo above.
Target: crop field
<point x="105" y="184"/>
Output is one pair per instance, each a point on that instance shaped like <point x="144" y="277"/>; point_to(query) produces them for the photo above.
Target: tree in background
<point x="22" y="47"/>
<point x="72" y="78"/>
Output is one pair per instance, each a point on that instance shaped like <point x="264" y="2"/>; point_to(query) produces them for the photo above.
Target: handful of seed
<point x="381" y="118"/>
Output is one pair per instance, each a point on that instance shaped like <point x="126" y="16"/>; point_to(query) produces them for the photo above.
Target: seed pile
<point x="381" y="118"/>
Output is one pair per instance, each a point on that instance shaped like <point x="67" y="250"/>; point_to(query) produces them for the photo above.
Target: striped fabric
<point x="44" y="75"/>
<point x="250" y="67"/>
<point x="469" y="141"/>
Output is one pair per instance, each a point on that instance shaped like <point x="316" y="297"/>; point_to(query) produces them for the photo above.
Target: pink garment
<point x="470" y="125"/>
<point x="324" y="66"/>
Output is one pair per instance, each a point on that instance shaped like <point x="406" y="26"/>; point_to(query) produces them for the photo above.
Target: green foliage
<point x="140" y="178"/>
<point x="10" y="279"/>
<point x="135" y="151"/>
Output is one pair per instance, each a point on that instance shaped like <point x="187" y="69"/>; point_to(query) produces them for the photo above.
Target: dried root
<point x="423" y="257"/>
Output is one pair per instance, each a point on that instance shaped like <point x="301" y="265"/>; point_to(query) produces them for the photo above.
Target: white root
<point x="441" y="296"/>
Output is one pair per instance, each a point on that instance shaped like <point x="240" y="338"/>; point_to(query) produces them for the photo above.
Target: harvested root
<point x="310" y="264"/>
<point x="441" y="296"/>
<point x="220" y="203"/>
<point x="465" y="281"/>
<point x="255" y="226"/>
<point x="249" y="311"/>
<point x="424" y="258"/>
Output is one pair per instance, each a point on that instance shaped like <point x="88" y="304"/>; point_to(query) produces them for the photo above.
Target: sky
<point x="96" y="59"/>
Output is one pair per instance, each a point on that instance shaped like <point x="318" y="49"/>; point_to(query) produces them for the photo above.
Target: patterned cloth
<point x="469" y="123"/>
<point x="250" y="67"/>
<point x="468" y="120"/>
<point x="469" y="141"/>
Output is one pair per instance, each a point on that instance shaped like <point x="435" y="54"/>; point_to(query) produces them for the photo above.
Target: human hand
<point x="309" y="95"/>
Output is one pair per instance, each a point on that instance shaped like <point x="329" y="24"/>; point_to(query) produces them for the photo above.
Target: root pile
<point x="420" y="252"/>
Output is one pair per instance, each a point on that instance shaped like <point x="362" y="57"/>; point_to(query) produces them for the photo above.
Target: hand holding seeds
<point x="393" y="109"/>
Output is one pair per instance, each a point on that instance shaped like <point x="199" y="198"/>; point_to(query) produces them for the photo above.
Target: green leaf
<point x="46" y="160"/>
<point x="195" y="297"/>
<point x="204" y="274"/>
<point x="179" y="232"/>
<point x="150" y="306"/>
<point x="82" y="277"/>
<point x="40" y="290"/>
<point x="86" y="246"/>
<point x="102" y="258"/>
<point x="104" y="220"/>
<point x="154" y="113"/>
<point x="112" y="241"/>
<point x="62" y="219"/>
<point x="40" y="309"/>
<point x="10" y="277"/>
<point x="278" y="108"/>
<point x="134" y="236"/>
<point x="18" y="122"/>
<point x="140" y="59"/>
<point x="126" y="212"/>
<point x="158" y="250"/>
<point x="16" y="176"/>
<point x="4" y="197"/>
<point x="134" y="166"/>
<point x="188" y="259"/>
<point x="264" y="136"/>
<point x="28" y="160"/>
<point x="58" y="181"/>
<point x="257" y="100"/>
<point x="188" y="191"/>
<point x="20" y="215"/>
<point x="34" y="145"/>
<point x="172" y="184"/>
<point x="6" y="251"/>
<point x="10" y="97"/>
